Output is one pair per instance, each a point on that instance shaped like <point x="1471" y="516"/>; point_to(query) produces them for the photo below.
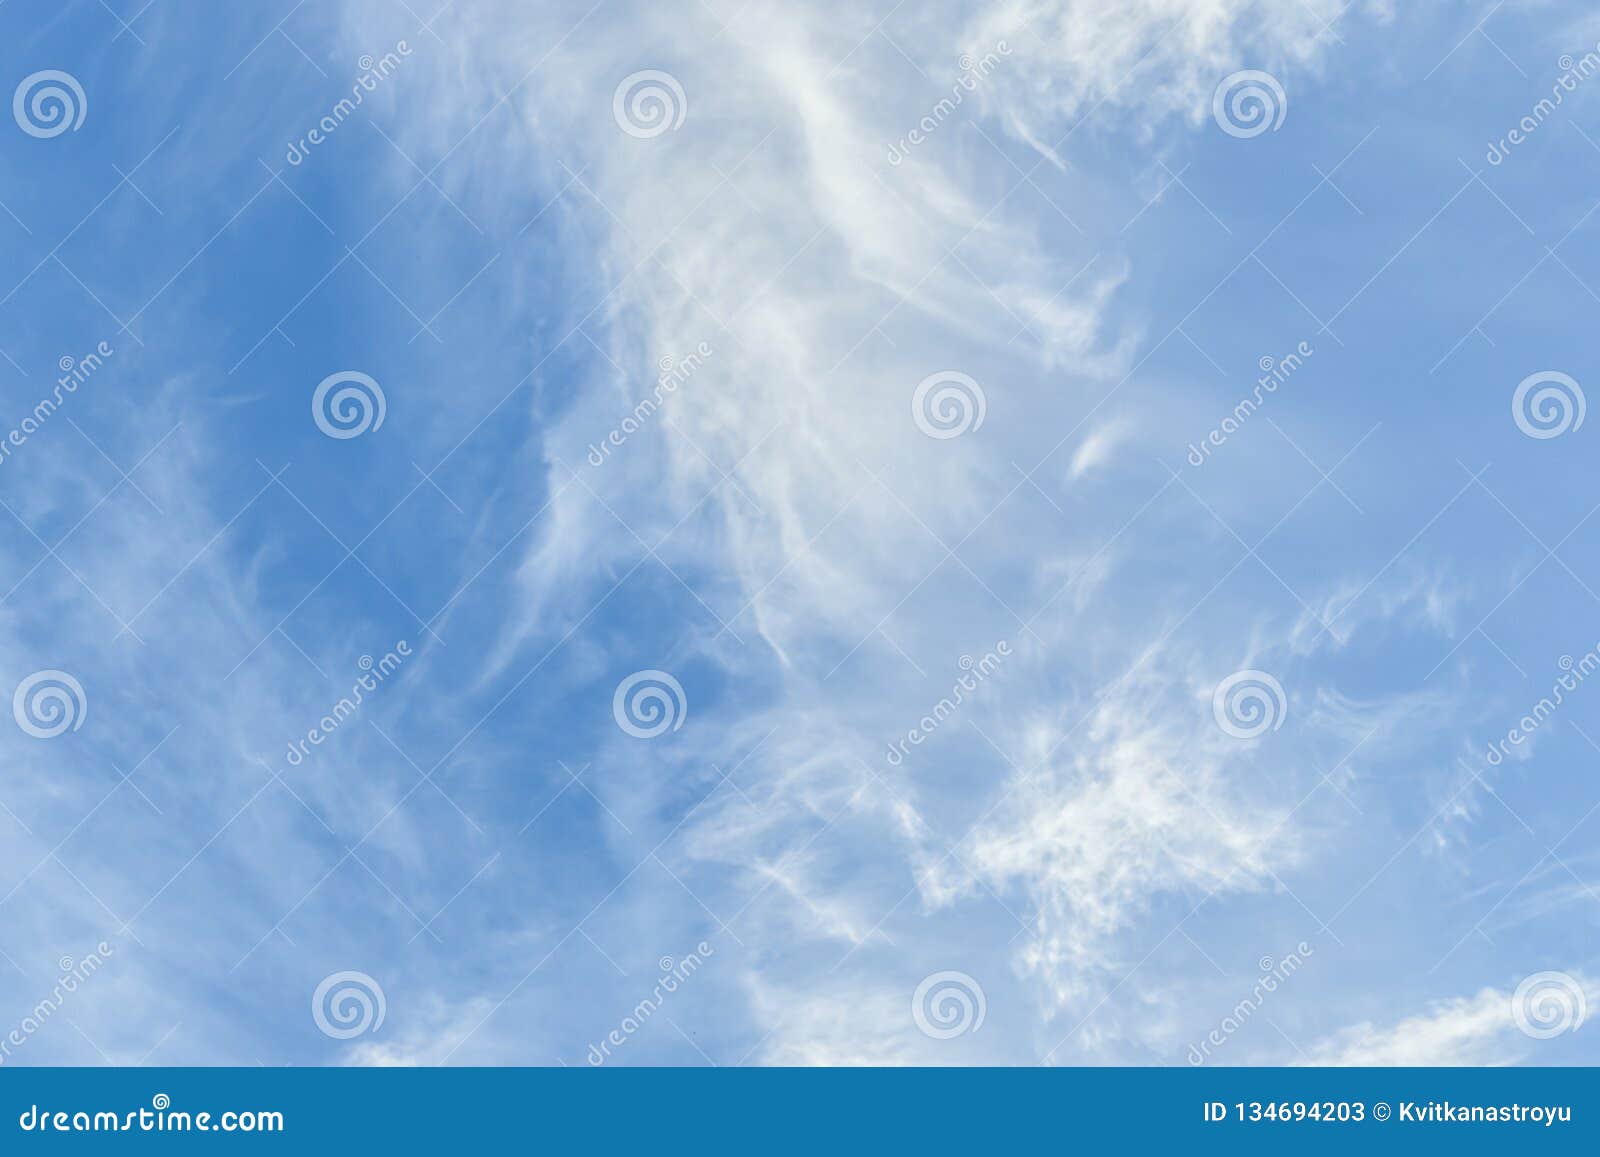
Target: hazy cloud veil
<point x="807" y="534"/>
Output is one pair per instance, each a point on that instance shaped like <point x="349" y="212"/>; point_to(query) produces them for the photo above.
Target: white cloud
<point x="831" y="283"/>
<point x="1096" y="450"/>
<point x="1464" y="1030"/>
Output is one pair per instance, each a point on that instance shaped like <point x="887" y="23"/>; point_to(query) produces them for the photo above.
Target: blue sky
<point x="747" y="298"/>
